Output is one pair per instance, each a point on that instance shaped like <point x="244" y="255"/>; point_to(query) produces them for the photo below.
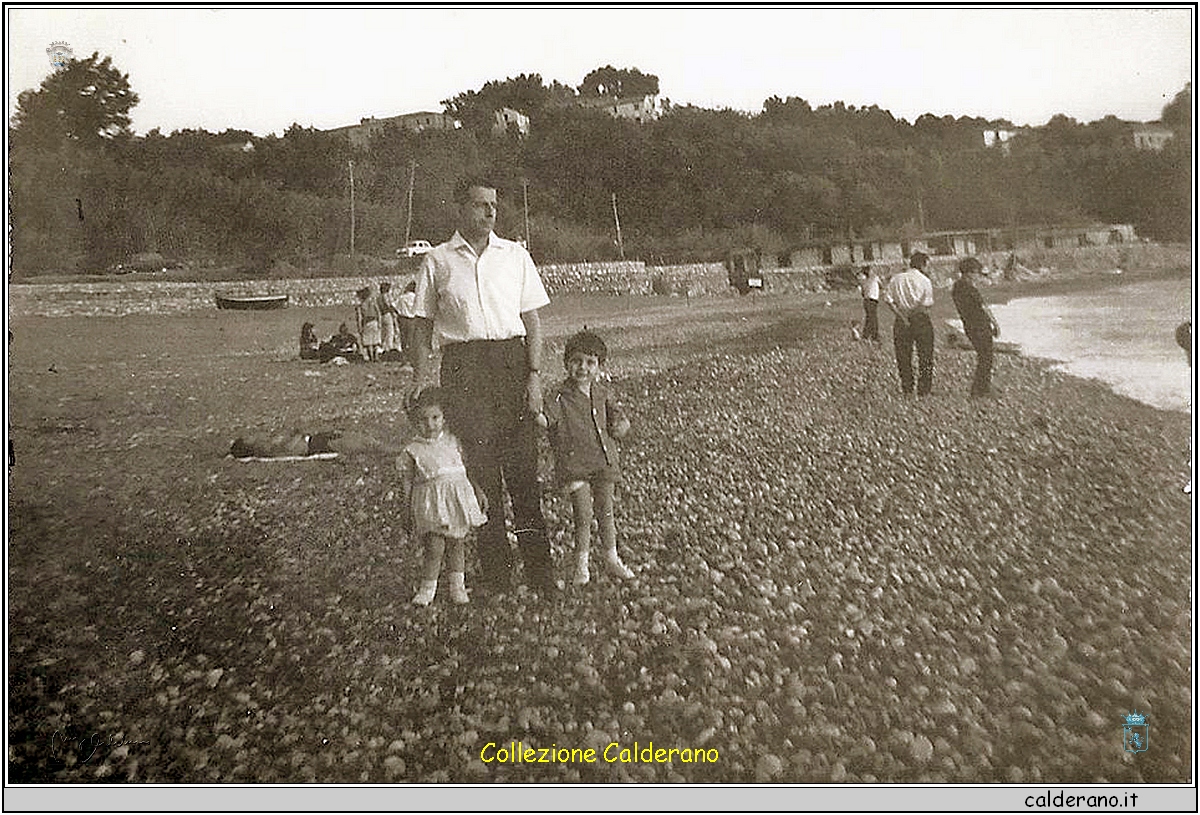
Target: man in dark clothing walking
<point x="978" y="323"/>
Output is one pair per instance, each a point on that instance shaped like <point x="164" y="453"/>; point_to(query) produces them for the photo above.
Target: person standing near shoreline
<point x="978" y="323"/>
<point x="868" y="284"/>
<point x="478" y="297"/>
<point x="910" y="296"/>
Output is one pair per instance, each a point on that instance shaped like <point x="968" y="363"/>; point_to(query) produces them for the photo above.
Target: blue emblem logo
<point x="59" y="53"/>
<point x="1137" y="733"/>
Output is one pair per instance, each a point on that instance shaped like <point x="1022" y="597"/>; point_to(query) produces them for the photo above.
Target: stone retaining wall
<point x="115" y="297"/>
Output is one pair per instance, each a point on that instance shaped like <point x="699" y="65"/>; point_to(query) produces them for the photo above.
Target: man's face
<point x="477" y="216"/>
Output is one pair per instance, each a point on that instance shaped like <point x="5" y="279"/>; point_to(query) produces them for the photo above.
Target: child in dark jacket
<point x="584" y="421"/>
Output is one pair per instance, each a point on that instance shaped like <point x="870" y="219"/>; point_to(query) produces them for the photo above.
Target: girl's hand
<point x="481" y="497"/>
<point x="621" y="429"/>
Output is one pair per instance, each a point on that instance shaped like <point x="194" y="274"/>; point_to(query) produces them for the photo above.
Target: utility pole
<point x="351" y="210"/>
<point x="412" y="177"/>
<point x="617" y="221"/>
<point x="525" y="193"/>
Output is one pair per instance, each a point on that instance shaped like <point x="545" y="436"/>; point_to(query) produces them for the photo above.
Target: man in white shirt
<point x="868" y="284"/>
<point x="478" y="297"/>
<point x="910" y="296"/>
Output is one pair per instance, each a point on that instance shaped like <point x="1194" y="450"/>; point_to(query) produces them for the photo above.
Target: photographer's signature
<point x="86" y="747"/>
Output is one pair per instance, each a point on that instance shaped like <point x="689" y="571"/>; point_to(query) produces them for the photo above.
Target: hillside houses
<point x="509" y="120"/>
<point x="640" y="109"/>
<point x="1152" y="136"/>
<point x="360" y="135"/>
<point x="1000" y="137"/>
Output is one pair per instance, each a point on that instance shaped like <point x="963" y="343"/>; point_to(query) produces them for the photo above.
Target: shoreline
<point x="1122" y="336"/>
<point x="1004" y="292"/>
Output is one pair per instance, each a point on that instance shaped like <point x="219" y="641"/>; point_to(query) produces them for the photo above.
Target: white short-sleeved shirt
<point x="910" y="290"/>
<point x="478" y="297"/>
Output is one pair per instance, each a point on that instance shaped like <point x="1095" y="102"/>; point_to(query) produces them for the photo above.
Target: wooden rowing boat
<point x="257" y="302"/>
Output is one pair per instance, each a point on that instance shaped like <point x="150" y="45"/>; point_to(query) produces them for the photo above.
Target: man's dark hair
<point x="918" y="260"/>
<point x="585" y="342"/>
<point x="463" y="188"/>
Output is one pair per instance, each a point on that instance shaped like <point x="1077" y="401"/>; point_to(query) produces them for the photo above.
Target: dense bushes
<point x="690" y="186"/>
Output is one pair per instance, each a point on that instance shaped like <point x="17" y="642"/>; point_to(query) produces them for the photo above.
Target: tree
<point x="525" y="93"/>
<point x="87" y="103"/>
<point x="1178" y="112"/>
<point x="610" y="81"/>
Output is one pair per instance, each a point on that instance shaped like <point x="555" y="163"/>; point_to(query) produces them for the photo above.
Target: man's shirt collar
<point x="458" y="242"/>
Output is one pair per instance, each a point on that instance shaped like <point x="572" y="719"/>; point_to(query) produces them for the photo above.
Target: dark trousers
<point x="982" y="340"/>
<point x="918" y="331"/>
<point x="407" y="327"/>
<point x="485" y="394"/>
<point x="871" y="321"/>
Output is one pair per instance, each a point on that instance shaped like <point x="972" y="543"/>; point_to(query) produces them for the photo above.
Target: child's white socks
<point x="458" y="588"/>
<point x="615" y="567"/>
<point x="582" y="575"/>
<point x="425" y="593"/>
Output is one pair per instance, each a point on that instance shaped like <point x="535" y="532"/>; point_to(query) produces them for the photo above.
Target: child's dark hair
<point x="969" y="266"/>
<point x="430" y="397"/>
<point x="585" y="342"/>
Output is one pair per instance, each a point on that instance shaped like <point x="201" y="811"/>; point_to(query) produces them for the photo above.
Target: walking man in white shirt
<point x="910" y="296"/>
<point x="479" y="295"/>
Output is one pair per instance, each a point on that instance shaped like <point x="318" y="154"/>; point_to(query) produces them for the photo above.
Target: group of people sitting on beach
<point x="385" y="329"/>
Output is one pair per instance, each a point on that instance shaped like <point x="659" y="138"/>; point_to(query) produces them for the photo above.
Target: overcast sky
<point x="261" y="70"/>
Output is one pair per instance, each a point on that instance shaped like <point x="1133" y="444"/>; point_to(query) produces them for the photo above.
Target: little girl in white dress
<point x="443" y="503"/>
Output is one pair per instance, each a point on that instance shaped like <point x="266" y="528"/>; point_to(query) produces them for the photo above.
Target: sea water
<point x="1122" y="335"/>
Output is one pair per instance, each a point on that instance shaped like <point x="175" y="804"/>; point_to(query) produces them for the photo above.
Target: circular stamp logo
<point x="59" y="53"/>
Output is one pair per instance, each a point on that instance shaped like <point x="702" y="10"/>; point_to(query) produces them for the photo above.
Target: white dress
<point x="443" y="500"/>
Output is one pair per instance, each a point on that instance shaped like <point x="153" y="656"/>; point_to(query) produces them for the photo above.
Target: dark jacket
<point x="581" y="433"/>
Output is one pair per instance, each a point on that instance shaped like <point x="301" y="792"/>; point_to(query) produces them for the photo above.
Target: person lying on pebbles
<point x="299" y="444"/>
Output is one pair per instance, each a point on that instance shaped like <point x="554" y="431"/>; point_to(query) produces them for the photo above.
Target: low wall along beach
<point x="115" y="297"/>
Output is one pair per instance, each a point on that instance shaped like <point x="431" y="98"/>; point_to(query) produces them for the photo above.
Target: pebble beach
<point x="834" y="585"/>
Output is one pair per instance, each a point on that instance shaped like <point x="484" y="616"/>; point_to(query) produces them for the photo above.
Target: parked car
<point x="414" y="248"/>
<point x="145" y="262"/>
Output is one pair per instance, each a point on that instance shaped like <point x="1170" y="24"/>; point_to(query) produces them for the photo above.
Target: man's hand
<point x="533" y="393"/>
